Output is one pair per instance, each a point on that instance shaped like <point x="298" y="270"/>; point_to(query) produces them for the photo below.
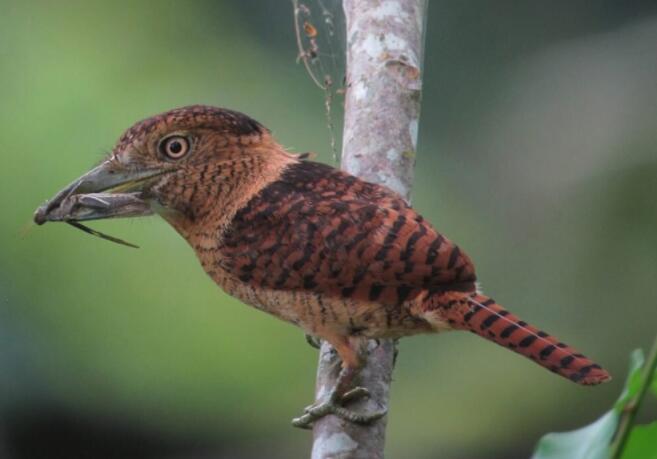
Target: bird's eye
<point x="174" y="147"/>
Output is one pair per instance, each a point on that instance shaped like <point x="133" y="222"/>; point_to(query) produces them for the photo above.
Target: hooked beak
<point x="103" y="192"/>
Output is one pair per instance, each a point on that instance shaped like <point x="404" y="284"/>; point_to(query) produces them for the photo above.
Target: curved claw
<point x="303" y="422"/>
<point x="313" y="341"/>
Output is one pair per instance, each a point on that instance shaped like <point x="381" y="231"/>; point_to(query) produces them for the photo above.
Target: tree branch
<point x="382" y="109"/>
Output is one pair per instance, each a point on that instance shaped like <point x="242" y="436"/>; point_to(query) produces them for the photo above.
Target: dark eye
<point x="175" y="147"/>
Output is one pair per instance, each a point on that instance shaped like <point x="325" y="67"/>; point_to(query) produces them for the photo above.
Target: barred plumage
<point x="342" y="258"/>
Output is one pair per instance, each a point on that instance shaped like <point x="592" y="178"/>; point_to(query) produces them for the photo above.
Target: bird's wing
<point x="331" y="233"/>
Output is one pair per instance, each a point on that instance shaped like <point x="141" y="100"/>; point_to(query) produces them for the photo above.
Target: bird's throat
<point x="219" y="194"/>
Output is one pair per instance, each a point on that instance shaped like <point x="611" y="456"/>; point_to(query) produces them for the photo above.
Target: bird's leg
<point x="343" y="391"/>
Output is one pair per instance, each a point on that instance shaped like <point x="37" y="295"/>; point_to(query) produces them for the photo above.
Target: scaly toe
<point x="303" y="422"/>
<point x="359" y="418"/>
<point x="312" y="413"/>
<point x="313" y="341"/>
<point x="322" y="409"/>
<point x="354" y="394"/>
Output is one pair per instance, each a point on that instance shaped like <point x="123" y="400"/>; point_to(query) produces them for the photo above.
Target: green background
<point x="537" y="154"/>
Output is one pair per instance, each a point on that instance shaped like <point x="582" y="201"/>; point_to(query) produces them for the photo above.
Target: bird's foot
<point x="334" y="405"/>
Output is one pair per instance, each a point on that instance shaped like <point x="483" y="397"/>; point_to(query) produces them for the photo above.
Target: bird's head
<point x="186" y="164"/>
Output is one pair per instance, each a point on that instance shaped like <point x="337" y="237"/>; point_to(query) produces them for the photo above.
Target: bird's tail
<point x="483" y="316"/>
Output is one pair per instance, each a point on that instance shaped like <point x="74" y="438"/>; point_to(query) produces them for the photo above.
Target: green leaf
<point x="633" y="381"/>
<point x="592" y="441"/>
<point x="642" y="443"/>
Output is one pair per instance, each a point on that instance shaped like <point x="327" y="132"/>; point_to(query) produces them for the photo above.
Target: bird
<point x="345" y="260"/>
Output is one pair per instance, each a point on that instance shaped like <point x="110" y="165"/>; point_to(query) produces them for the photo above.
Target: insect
<point x="72" y="208"/>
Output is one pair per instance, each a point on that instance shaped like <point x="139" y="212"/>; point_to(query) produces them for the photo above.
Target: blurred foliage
<point x="594" y="440"/>
<point x="536" y="154"/>
<point x="642" y="443"/>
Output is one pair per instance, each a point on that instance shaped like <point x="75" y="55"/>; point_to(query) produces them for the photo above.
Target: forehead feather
<point x="193" y="117"/>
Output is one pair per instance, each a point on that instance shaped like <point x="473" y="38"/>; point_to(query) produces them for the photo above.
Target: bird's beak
<point x="103" y="192"/>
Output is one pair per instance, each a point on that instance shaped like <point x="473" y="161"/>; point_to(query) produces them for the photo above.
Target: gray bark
<point x="385" y="40"/>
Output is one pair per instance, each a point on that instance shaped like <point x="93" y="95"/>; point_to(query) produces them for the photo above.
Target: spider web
<point x="320" y="32"/>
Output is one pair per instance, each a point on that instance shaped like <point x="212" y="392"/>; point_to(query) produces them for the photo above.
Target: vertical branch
<point x="382" y="109"/>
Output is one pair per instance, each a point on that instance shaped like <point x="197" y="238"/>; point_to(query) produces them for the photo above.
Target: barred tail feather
<point x="483" y="316"/>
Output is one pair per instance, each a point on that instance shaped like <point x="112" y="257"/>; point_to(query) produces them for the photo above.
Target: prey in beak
<point x="185" y="165"/>
<point x="104" y="192"/>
